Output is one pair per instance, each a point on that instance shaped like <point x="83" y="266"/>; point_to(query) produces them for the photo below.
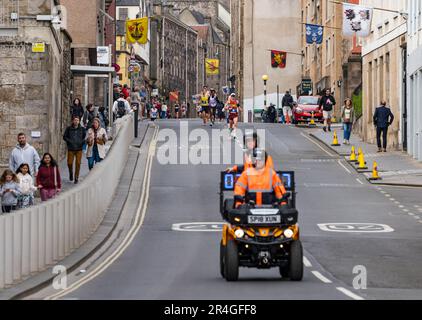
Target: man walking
<point x="74" y="136"/>
<point x="383" y="118"/>
<point x="327" y="102"/>
<point x="287" y="104"/>
<point x="121" y="107"/>
<point x="24" y="153"/>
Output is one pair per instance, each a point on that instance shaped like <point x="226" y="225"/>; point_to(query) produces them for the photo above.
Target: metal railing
<point x="33" y="239"/>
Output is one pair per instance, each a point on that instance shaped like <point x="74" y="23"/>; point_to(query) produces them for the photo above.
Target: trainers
<point x="379" y="150"/>
<point x="385" y="150"/>
<point x="325" y="129"/>
<point x="329" y="129"/>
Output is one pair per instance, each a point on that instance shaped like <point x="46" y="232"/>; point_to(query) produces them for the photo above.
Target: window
<point x="123" y="14"/>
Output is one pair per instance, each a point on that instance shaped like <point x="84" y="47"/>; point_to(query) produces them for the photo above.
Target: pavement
<point x="158" y="261"/>
<point x="395" y="167"/>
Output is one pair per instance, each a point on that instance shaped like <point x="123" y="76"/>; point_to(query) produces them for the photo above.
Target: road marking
<point x="315" y="143"/>
<point x="306" y="262"/>
<point x="198" y="226"/>
<point x="349" y="293"/>
<point x="321" y="277"/>
<point x="358" y="180"/>
<point x="396" y="202"/>
<point x="411" y="214"/>
<point x="401" y="206"/>
<point x="405" y="210"/>
<point x="339" y="162"/>
<point x="139" y="219"/>
<point x="355" y="227"/>
<point x="388" y="195"/>
<point x="416" y="217"/>
<point x="416" y="206"/>
<point x="383" y="192"/>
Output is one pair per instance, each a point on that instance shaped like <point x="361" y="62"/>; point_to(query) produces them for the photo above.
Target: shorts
<point x="287" y="111"/>
<point x="233" y="116"/>
<point x="327" y="114"/>
<point x="206" y="109"/>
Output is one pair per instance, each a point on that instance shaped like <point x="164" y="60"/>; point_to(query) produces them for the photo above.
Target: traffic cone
<point x="312" y="123"/>
<point x="353" y="155"/>
<point x="375" y="175"/>
<point x="335" y="140"/>
<point x="362" y="163"/>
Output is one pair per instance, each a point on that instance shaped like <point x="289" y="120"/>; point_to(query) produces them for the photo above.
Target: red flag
<point x="278" y="59"/>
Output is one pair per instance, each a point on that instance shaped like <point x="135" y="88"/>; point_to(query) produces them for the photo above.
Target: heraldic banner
<point x="356" y="20"/>
<point x="137" y="30"/>
<point x="278" y="59"/>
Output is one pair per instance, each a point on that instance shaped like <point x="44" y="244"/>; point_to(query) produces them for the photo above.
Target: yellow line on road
<point x="139" y="218"/>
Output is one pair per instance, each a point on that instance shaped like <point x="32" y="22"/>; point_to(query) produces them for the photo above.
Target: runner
<point x="233" y="108"/>
<point x="205" y="96"/>
<point x="213" y="102"/>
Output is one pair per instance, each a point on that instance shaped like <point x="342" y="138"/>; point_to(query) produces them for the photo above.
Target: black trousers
<point x="384" y="132"/>
<point x="8" y="209"/>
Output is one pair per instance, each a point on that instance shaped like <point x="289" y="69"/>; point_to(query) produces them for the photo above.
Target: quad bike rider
<point x="262" y="230"/>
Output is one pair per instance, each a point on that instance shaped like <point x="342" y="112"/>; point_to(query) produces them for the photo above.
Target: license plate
<point x="263" y="219"/>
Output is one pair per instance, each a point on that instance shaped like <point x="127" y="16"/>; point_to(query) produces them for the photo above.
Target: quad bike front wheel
<point x="296" y="261"/>
<point x="231" y="262"/>
<point x="222" y="257"/>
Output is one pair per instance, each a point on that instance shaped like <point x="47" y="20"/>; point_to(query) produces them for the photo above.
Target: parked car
<point x="303" y="109"/>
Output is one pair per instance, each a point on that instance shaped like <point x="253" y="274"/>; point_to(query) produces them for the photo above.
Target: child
<point x="9" y="191"/>
<point x="27" y="188"/>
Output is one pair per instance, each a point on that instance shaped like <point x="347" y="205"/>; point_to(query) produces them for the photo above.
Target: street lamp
<point x="265" y="79"/>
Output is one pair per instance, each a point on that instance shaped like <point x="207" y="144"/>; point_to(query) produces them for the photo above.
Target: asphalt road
<point x="162" y="263"/>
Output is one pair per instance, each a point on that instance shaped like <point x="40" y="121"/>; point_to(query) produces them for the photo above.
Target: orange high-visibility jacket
<point x="259" y="186"/>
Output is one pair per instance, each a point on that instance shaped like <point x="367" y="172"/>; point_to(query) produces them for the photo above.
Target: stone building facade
<point x="34" y="86"/>
<point x="174" y="54"/>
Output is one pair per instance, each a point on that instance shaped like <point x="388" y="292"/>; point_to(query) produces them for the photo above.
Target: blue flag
<point x="314" y="33"/>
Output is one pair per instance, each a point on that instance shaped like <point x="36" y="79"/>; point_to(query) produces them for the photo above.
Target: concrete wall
<point x="270" y="24"/>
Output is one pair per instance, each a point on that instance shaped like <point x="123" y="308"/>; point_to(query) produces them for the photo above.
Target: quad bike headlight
<point x="239" y="233"/>
<point x="288" y="233"/>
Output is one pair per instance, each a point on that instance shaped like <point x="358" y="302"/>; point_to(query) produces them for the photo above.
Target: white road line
<point x="139" y="219"/>
<point x="416" y="206"/>
<point x="339" y="162"/>
<point x="321" y="277"/>
<point x="392" y="199"/>
<point x="306" y="262"/>
<point x="349" y="293"/>
<point x="416" y="217"/>
<point x="382" y="191"/>
<point x="406" y="210"/>
<point x="387" y="195"/>
<point x="310" y="139"/>
<point x="358" y="180"/>
<point x="411" y="214"/>
<point x="396" y="202"/>
<point x="401" y="206"/>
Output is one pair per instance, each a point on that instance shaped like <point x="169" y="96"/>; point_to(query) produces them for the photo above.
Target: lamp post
<point x="265" y="79"/>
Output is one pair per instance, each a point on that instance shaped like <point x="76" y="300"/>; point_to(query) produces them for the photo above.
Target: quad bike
<point x="260" y="237"/>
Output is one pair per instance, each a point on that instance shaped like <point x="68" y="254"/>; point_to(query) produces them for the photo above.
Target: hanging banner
<point x="278" y="59"/>
<point x="174" y="96"/>
<point x="356" y="20"/>
<point x="212" y="66"/>
<point x="314" y="33"/>
<point x="137" y="31"/>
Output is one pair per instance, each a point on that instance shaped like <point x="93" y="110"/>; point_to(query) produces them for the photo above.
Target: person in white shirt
<point x="121" y="107"/>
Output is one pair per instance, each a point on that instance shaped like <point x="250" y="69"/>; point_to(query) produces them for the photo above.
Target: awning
<point x="80" y="69"/>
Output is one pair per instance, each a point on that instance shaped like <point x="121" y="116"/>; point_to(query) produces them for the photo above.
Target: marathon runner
<point x="233" y="107"/>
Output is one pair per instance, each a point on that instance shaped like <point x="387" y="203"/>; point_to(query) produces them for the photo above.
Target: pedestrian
<point x="383" y="118"/>
<point x="213" y="103"/>
<point x="163" y="111"/>
<point x="287" y="104"/>
<point x="9" y="191"/>
<point x="24" y="153"/>
<point x="77" y="110"/>
<point x="121" y="107"/>
<point x="96" y="140"/>
<point x="103" y="116"/>
<point x="125" y="91"/>
<point x="347" y="117"/>
<point x="183" y="110"/>
<point x="327" y="103"/>
<point x="26" y="186"/>
<point x="177" y="111"/>
<point x="116" y="92"/>
<point x="154" y="113"/>
<point x="48" y="179"/>
<point x="74" y="136"/>
<point x="89" y="115"/>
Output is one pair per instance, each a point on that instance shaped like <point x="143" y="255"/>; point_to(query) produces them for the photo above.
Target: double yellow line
<point x="139" y="219"/>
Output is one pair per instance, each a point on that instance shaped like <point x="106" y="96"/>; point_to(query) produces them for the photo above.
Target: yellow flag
<point x="212" y="66"/>
<point x="137" y="30"/>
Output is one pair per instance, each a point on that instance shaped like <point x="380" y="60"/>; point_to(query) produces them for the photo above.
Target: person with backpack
<point x="121" y="107"/>
<point x="89" y="116"/>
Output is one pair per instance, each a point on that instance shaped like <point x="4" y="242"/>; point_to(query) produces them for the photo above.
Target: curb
<point x="376" y="182"/>
<point x="91" y="246"/>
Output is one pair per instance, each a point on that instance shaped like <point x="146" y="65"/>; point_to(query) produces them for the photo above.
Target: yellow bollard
<point x="335" y="140"/>
<point x="362" y="163"/>
<point x="353" y="155"/>
<point x="375" y="175"/>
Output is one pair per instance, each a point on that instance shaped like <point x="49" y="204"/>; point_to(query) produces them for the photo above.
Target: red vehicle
<point x="303" y="109"/>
